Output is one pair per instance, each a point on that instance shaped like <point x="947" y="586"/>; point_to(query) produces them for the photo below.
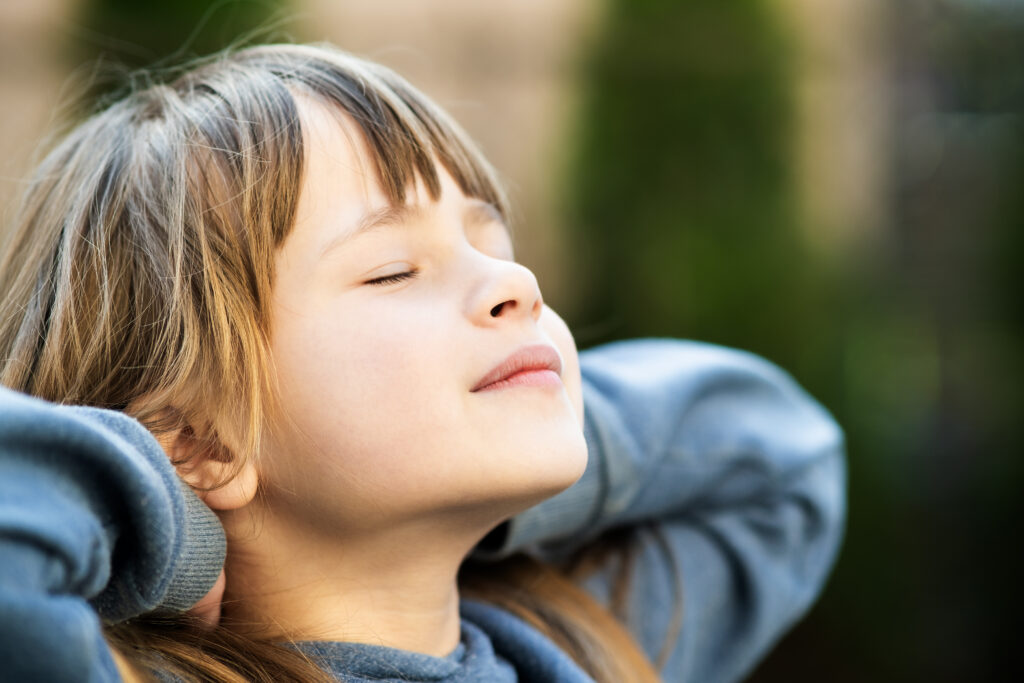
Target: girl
<point x="295" y="272"/>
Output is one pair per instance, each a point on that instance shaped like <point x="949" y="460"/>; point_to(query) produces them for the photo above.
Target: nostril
<point x="496" y="311"/>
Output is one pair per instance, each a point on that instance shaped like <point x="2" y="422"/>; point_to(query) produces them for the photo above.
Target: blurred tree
<point x="682" y="197"/>
<point x="681" y="201"/>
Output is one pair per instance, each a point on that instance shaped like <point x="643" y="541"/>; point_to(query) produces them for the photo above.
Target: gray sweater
<point x="726" y="474"/>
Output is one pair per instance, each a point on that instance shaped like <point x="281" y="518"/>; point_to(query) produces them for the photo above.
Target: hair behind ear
<point x="180" y="647"/>
<point x="546" y="599"/>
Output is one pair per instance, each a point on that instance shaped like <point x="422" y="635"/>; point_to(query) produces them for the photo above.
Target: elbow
<point x="822" y="496"/>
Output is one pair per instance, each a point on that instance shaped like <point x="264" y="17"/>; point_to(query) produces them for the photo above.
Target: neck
<point x="395" y="588"/>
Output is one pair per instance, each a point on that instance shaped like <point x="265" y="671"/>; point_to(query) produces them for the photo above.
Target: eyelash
<point x="393" y="279"/>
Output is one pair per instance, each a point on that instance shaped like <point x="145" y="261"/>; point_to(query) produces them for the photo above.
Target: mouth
<point x="535" y="365"/>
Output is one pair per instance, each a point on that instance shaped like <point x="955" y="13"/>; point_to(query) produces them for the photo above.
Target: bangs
<point x="406" y="133"/>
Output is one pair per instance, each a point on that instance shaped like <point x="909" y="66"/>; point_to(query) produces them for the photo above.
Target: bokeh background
<point x="837" y="185"/>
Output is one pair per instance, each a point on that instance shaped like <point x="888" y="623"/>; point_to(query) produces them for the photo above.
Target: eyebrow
<point x="478" y="212"/>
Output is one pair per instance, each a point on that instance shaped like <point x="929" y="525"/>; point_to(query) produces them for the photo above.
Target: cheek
<point x="361" y="383"/>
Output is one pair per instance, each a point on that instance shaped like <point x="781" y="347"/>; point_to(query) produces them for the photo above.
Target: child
<point x="294" y="270"/>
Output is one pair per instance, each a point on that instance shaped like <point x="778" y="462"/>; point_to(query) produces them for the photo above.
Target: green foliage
<point x="682" y="192"/>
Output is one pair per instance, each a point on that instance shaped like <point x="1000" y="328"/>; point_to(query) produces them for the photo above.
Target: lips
<point x="535" y="358"/>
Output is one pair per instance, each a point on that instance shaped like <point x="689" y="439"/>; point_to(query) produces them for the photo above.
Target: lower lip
<point x="527" y="378"/>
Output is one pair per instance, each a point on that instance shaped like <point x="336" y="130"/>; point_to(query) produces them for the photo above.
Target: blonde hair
<point x="139" y="274"/>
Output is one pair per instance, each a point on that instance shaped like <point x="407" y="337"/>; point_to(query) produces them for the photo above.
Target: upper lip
<point x="530" y="357"/>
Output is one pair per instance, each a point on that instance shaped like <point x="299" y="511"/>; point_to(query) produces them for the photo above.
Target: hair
<point x="139" y="275"/>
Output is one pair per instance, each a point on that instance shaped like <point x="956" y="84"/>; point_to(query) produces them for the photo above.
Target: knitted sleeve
<point x="94" y="525"/>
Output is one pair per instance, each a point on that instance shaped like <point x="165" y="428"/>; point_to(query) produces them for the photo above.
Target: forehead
<point x="341" y="195"/>
<point x="338" y="162"/>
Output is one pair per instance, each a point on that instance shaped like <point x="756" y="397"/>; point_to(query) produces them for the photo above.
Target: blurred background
<point x="833" y="184"/>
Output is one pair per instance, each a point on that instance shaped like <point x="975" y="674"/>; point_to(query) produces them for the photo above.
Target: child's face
<point x="377" y="379"/>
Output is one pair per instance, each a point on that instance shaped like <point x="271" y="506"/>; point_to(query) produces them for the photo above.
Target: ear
<point x="204" y="468"/>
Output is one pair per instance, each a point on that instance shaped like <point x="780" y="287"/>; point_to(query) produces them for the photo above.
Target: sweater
<point x="729" y="479"/>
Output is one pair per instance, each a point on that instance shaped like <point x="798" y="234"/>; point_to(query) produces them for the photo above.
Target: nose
<point x="506" y="291"/>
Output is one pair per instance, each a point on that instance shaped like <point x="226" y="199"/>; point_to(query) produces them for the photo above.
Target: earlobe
<point x="237" y="492"/>
<point x="217" y="478"/>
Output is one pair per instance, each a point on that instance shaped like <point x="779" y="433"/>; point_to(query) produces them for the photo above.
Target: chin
<point x="551" y="470"/>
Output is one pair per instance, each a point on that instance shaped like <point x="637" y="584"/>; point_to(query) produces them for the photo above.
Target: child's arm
<point x="733" y="479"/>
<point x="92" y="520"/>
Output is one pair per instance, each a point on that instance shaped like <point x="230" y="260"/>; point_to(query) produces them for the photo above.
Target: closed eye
<point x="392" y="279"/>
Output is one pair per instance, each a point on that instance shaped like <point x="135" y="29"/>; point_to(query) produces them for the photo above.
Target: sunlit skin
<point x="387" y="468"/>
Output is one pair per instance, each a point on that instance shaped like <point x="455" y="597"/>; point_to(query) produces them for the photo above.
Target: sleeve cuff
<point x="202" y="555"/>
